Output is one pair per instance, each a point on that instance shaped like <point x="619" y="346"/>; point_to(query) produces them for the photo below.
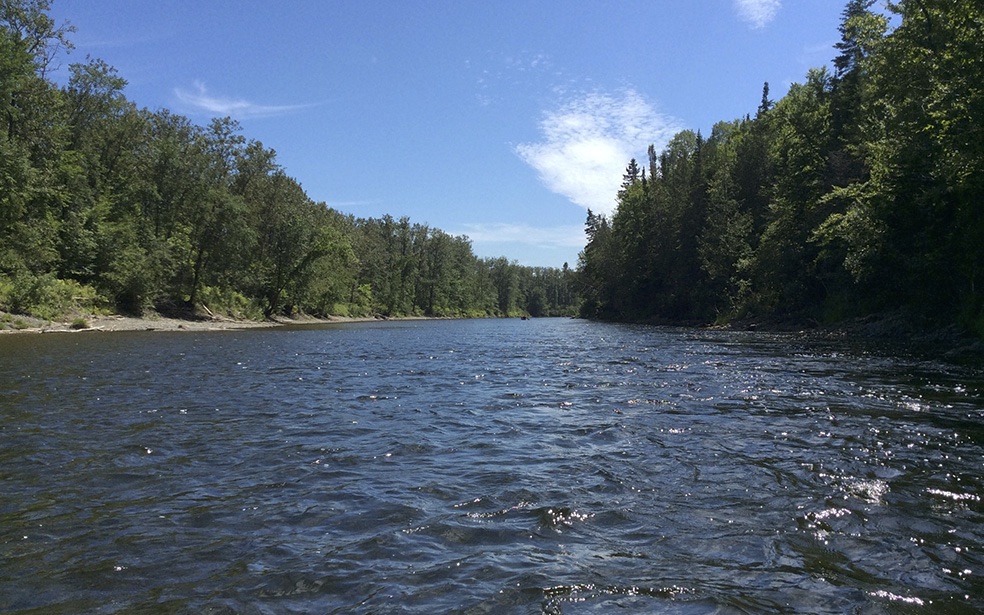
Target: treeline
<point x="104" y="205"/>
<point x="860" y="191"/>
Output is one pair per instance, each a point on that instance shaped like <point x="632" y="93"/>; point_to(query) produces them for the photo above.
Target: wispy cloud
<point x="495" y="72"/>
<point x="758" y="13"/>
<point x="200" y="99"/>
<point x="554" y="237"/>
<point x="588" y="142"/>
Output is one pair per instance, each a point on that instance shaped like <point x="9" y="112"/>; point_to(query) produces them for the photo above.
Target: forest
<point x="108" y="207"/>
<point x="857" y="193"/>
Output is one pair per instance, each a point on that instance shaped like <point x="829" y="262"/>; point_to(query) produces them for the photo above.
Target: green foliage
<point x="47" y="297"/>
<point x="129" y="275"/>
<point x="100" y="199"/>
<point x="228" y="302"/>
<point x="857" y="191"/>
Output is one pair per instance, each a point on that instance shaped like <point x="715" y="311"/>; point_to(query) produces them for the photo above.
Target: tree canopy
<point x="858" y="191"/>
<point x="108" y="206"/>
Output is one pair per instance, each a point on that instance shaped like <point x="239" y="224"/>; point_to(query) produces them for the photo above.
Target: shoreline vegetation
<point x="849" y="206"/>
<point x="107" y="207"/>
<point x="853" y="198"/>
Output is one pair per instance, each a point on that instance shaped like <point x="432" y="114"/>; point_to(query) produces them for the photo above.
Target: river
<point x="487" y="466"/>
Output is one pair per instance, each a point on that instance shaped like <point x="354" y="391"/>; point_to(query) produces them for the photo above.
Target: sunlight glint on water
<point x="498" y="466"/>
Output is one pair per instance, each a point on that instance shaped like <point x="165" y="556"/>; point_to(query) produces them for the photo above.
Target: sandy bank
<point x="26" y="324"/>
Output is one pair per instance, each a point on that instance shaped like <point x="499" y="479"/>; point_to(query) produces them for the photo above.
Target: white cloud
<point x="757" y="12"/>
<point x="588" y="143"/>
<point x="201" y="100"/>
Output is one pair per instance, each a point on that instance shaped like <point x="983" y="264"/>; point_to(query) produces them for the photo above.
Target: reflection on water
<point x="500" y="466"/>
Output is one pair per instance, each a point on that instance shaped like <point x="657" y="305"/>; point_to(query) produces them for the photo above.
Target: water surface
<point x="495" y="466"/>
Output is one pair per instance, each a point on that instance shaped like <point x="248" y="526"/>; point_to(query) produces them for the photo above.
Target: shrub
<point x="40" y="296"/>
<point x="340" y="309"/>
<point x="231" y="303"/>
<point x="45" y="296"/>
<point x="48" y="297"/>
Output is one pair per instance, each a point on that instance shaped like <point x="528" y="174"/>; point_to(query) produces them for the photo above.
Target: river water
<point x="486" y="466"/>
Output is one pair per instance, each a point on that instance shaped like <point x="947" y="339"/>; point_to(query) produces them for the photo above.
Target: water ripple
<point x="548" y="466"/>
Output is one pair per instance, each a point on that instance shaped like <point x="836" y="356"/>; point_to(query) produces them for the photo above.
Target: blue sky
<point x="499" y="120"/>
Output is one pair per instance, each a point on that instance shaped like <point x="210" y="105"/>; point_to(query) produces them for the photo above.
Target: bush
<point x="130" y="281"/>
<point x="48" y="297"/>
<point x="339" y="309"/>
<point x="231" y="303"/>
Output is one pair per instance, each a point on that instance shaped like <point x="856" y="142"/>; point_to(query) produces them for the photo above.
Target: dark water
<point x="548" y="466"/>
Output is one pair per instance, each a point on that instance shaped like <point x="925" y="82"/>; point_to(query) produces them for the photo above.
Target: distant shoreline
<point x="893" y="326"/>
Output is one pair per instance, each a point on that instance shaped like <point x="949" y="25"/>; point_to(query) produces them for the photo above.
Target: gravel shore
<point x="26" y="324"/>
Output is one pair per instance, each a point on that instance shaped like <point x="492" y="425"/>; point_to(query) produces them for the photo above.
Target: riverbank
<point x="898" y="327"/>
<point x="10" y="323"/>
